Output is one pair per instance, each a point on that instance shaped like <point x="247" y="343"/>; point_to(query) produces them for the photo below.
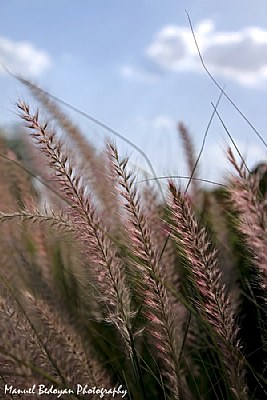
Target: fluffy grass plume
<point x="104" y="282"/>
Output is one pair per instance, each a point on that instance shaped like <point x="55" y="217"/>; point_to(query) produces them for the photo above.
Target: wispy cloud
<point x="138" y="74"/>
<point x="239" y="55"/>
<point x="160" y="122"/>
<point x="163" y="122"/>
<point x="23" y="57"/>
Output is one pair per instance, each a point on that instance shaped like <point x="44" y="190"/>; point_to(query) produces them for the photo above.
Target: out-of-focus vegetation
<point x="104" y="282"/>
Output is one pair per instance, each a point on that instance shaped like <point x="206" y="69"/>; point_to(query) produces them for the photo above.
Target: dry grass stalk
<point x="61" y="338"/>
<point x="212" y="300"/>
<point x="157" y="302"/>
<point x="246" y="200"/>
<point x="108" y="268"/>
<point x="90" y="162"/>
<point x="118" y="279"/>
<point x="190" y="157"/>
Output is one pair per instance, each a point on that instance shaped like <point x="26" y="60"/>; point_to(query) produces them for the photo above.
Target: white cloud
<point x="131" y="72"/>
<point x="160" y="122"/>
<point x="239" y="55"/>
<point x="23" y="58"/>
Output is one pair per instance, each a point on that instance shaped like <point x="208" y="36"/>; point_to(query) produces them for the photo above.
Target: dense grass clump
<point x="108" y="283"/>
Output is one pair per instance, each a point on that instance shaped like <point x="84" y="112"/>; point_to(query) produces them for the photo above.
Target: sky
<point x="133" y="65"/>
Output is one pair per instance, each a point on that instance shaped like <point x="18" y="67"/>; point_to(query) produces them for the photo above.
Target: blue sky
<point x="133" y="65"/>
